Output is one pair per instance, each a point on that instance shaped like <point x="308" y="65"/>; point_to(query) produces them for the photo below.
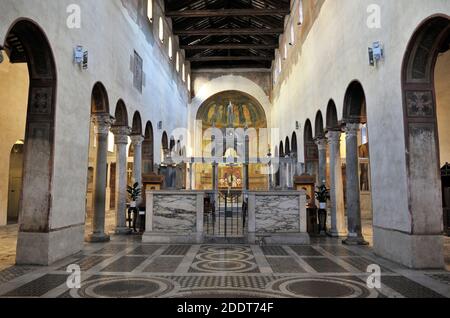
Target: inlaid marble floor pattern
<point x="127" y="268"/>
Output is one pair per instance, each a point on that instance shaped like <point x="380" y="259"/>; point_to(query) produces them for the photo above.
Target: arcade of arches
<point x="206" y="127"/>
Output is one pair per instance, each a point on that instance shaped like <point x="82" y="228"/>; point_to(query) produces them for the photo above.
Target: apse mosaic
<point x="232" y="109"/>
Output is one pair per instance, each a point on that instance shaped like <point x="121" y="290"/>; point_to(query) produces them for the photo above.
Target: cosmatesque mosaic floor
<point x="127" y="268"/>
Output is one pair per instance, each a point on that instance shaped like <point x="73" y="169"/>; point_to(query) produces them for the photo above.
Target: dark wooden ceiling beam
<point x="234" y="31"/>
<point x="230" y="46"/>
<point x="229" y="58"/>
<point x="226" y="13"/>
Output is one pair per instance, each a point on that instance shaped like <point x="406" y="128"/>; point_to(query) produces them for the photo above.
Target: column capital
<point x="102" y="123"/>
<point x="121" y="134"/>
<point x="334" y="136"/>
<point x="352" y="128"/>
<point x="321" y="143"/>
<point x="137" y="140"/>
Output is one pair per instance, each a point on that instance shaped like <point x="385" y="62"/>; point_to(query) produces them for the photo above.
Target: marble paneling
<point x="175" y="213"/>
<point x="277" y="214"/>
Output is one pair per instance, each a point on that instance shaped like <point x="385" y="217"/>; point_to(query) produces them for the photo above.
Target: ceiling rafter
<point x="228" y="33"/>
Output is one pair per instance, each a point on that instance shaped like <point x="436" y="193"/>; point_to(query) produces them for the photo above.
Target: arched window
<point x="300" y="12"/>
<point x="150" y="10"/>
<point x="170" y="48"/>
<point x="189" y="82"/>
<point x="161" y="29"/>
<point x="177" y="62"/>
<point x="285" y="53"/>
<point x="183" y="73"/>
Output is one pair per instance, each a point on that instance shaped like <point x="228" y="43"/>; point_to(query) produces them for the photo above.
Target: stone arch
<point x="99" y="99"/>
<point x="355" y="104"/>
<point x="319" y="127"/>
<point x="332" y="116"/>
<point x="308" y="134"/>
<point x="287" y="147"/>
<point x="164" y="146"/>
<point x="172" y="144"/>
<point x="311" y="152"/>
<point x="137" y="124"/>
<point x="165" y="141"/>
<point x="281" y="150"/>
<point x="148" y="150"/>
<point x="431" y="38"/>
<point x="121" y="114"/>
<point x="230" y="83"/>
<point x="294" y="145"/>
<point x="26" y="42"/>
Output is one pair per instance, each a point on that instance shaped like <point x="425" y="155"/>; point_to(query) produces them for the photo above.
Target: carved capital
<point x="321" y="143"/>
<point x="121" y="134"/>
<point x="102" y="123"/>
<point x="137" y="140"/>
<point x="352" y="129"/>
<point x="334" y="137"/>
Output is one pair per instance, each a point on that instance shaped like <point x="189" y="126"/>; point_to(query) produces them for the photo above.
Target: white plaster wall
<point x="111" y="37"/>
<point x="333" y="55"/>
<point x="13" y="113"/>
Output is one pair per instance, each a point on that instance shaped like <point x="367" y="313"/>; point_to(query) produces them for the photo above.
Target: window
<point x="183" y="73"/>
<point x="170" y="48"/>
<point x="300" y="12"/>
<point x="364" y="135"/>
<point x="150" y="10"/>
<point x="138" y="75"/>
<point x="177" y="62"/>
<point x="189" y="82"/>
<point x="161" y="30"/>
<point x="285" y="53"/>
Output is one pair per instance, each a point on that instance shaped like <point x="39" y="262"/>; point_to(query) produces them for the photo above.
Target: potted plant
<point x="322" y="195"/>
<point x="134" y="192"/>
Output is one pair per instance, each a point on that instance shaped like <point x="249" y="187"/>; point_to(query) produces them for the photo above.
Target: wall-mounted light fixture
<point x="160" y="125"/>
<point x="297" y="125"/>
<point x="376" y="53"/>
<point x="80" y="57"/>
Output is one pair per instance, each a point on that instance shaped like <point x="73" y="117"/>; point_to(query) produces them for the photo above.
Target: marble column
<point x="215" y="176"/>
<point x="191" y="176"/>
<point x="287" y="171"/>
<point x="121" y="134"/>
<point x="322" y="147"/>
<point x="245" y="184"/>
<point x="137" y="141"/>
<point x="336" y="186"/>
<point x="102" y="124"/>
<point x="355" y="236"/>
<point x="283" y="176"/>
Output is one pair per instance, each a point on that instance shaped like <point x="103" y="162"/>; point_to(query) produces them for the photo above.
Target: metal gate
<point x="226" y="214"/>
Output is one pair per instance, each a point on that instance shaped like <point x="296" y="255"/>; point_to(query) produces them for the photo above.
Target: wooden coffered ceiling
<point x="228" y="33"/>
